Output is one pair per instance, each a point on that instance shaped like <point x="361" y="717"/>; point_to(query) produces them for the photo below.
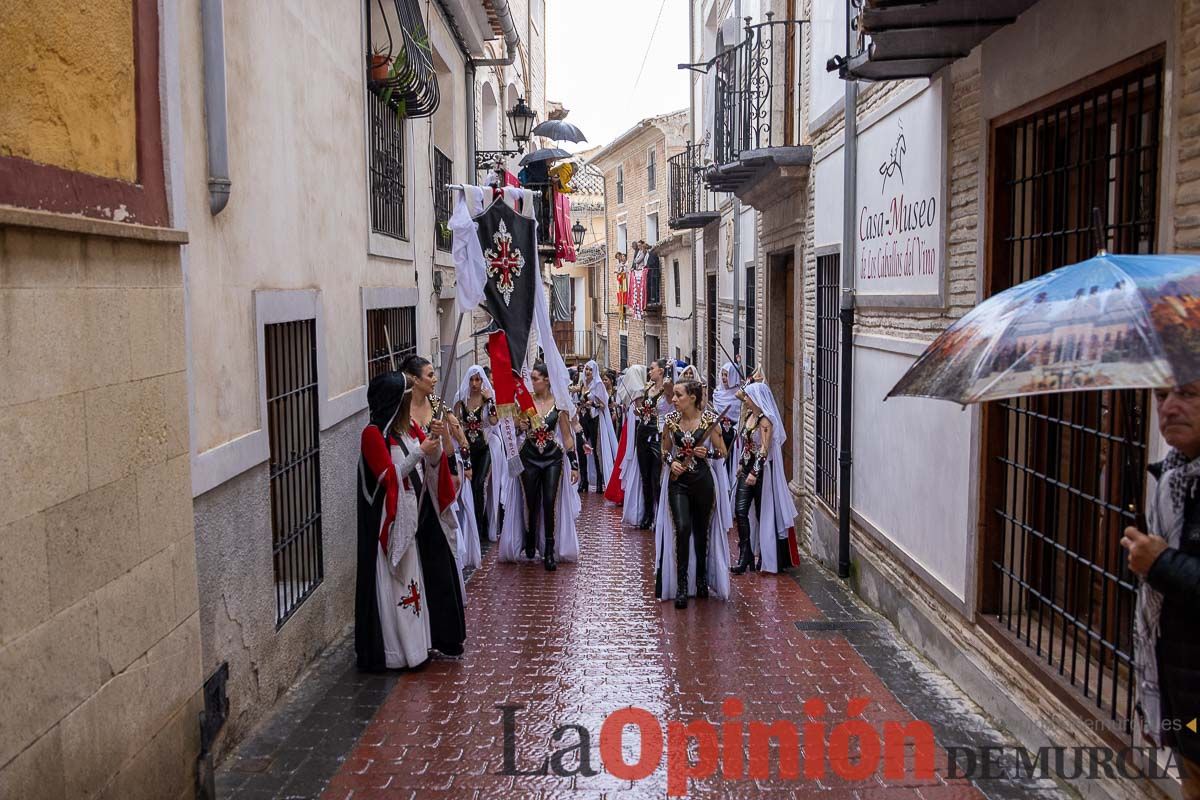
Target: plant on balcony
<point x="399" y="65"/>
<point x="381" y="63"/>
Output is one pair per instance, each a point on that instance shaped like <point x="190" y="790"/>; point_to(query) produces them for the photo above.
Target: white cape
<point x="631" y="473"/>
<point x="718" y="543"/>
<point x="566" y="512"/>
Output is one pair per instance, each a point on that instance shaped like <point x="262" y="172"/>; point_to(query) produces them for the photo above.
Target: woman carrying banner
<point x="548" y="457"/>
<point x="424" y="416"/>
<point x="392" y="616"/>
<point x="763" y="508"/>
<point x="475" y="407"/>
<point x="691" y="548"/>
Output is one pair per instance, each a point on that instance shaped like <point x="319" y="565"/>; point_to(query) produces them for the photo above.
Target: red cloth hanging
<point x="615" y="492"/>
<point x="564" y="245"/>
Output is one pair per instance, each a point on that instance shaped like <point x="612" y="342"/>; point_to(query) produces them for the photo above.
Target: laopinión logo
<point x="854" y="750"/>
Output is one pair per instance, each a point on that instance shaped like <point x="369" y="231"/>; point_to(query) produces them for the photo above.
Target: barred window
<point x="294" y="434"/>
<point x="675" y="275"/>
<point x="397" y="324"/>
<point x="387" y="169"/>
<point x="828" y="281"/>
<point x="443" y="175"/>
<point x="620" y="185"/>
<point x="651" y="170"/>
<point x="751" y="320"/>
<point x="624" y="351"/>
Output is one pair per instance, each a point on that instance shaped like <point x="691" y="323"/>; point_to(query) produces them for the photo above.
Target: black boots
<point x="745" y="553"/>
<point x="681" y="581"/>
<point x="548" y="554"/>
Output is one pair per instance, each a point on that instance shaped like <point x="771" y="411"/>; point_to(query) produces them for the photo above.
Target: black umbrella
<point x="560" y="131"/>
<point x="545" y="154"/>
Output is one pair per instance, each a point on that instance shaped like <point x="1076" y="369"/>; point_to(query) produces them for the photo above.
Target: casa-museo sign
<point x="900" y="247"/>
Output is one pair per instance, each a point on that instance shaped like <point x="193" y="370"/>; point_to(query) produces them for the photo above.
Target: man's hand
<point x="1143" y="550"/>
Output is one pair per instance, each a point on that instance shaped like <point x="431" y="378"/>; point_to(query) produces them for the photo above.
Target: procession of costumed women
<point x="408" y="598"/>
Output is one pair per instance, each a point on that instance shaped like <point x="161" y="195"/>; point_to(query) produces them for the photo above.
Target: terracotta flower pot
<point x="380" y="65"/>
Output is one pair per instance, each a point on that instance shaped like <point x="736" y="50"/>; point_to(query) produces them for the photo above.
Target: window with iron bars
<point x="443" y="175"/>
<point x="397" y="324"/>
<point x="651" y="169"/>
<point x="624" y="351"/>
<point x="388" y="209"/>
<point x="828" y="332"/>
<point x="620" y="185"/>
<point x="1065" y="473"/>
<point x="751" y="320"/>
<point x="294" y="435"/>
<point x="675" y="275"/>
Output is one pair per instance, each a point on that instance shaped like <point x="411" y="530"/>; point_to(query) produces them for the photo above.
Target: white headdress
<point x="464" y="388"/>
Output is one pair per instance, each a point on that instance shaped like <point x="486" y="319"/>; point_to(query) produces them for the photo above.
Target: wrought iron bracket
<point x="486" y="159"/>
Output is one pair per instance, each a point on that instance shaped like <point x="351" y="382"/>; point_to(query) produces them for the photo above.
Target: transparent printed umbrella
<point x="1111" y="322"/>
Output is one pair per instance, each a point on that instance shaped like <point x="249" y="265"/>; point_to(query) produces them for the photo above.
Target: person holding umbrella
<point x="1167" y="559"/>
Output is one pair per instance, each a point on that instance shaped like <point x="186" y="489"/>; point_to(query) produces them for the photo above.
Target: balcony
<point x="756" y="133"/>
<point x="689" y="203"/>
<point x="916" y="38"/>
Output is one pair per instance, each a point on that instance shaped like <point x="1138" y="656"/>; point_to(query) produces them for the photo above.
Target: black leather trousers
<point x="691" y="497"/>
<point x="649" y="464"/>
<point x="540" y="481"/>
<point x="591" y="432"/>
<point x="746" y="497"/>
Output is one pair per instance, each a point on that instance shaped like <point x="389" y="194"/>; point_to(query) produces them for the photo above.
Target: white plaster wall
<point x="1056" y="43"/>
<point x="827" y="92"/>
<point x="830" y="194"/>
<point x="912" y="467"/>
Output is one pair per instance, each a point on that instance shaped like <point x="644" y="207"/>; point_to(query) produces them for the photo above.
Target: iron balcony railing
<point x="758" y="90"/>
<point x="576" y="344"/>
<point x="689" y="203"/>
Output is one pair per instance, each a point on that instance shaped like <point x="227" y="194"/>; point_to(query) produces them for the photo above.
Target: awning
<point x="916" y="38"/>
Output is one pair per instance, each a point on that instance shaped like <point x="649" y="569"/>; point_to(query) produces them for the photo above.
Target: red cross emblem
<point x="541" y="437"/>
<point x="413" y="599"/>
<point x="504" y="262"/>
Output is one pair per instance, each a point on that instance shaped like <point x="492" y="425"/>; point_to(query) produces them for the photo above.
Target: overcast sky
<point x="593" y="53"/>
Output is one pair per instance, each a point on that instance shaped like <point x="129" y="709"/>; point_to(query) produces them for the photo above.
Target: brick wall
<point x="1186" y="155"/>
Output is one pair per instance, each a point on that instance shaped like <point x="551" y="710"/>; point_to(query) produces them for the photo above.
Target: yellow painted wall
<point x="67" y="83"/>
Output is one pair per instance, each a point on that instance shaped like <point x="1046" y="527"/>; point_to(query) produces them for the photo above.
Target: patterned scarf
<point x="1178" y="480"/>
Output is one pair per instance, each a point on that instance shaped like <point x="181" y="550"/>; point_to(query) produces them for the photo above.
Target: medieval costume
<point x="764" y="511"/>
<point x="596" y="420"/>
<point x="650" y="409"/>
<point x="542" y="511"/>
<point x="476" y="422"/>
<point x="406" y="566"/>
<point x="691" y="549"/>
<point x="625" y="483"/>
<point x="729" y="409"/>
<point x="469" y="552"/>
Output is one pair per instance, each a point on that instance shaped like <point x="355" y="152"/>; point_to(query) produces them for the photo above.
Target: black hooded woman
<point x="408" y="597"/>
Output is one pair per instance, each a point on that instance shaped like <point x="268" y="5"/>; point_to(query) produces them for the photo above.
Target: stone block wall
<point x="99" y="624"/>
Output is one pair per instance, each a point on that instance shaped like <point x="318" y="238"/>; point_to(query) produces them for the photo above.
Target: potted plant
<point x="381" y="64"/>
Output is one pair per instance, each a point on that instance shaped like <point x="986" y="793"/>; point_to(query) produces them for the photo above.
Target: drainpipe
<point x="512" y="39"/>
<point x="850" y="176"/>
<point x="737" y="260"/>
<point x="216" y="117"/>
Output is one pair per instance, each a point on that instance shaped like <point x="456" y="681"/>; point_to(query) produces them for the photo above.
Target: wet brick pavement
<point x="572" y="647"/>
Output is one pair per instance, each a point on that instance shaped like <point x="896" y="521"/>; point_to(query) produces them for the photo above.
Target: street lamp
<point x="578" y="232"/>
<point x="520" y="119"/>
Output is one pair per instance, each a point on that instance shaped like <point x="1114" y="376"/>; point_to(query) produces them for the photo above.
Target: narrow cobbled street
<point x="570" y="648"/>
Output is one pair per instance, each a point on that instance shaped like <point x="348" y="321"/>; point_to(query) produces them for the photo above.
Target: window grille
<point x="294" y="434"/>
<point x="828" y="334"/>
<point x="751" y="320"/>
<point x="443" y="175"/>
<point x="397" y="322"/>
<point x="387" y="169"/>
<point x="1066" y="473"/>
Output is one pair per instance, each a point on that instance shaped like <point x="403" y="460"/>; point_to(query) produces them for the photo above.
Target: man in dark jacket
<point x="1167" y="621"/>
